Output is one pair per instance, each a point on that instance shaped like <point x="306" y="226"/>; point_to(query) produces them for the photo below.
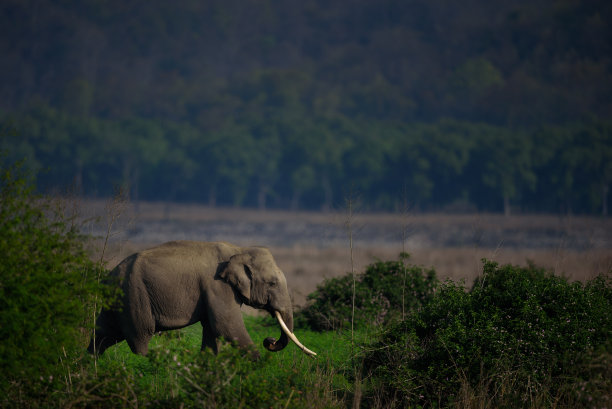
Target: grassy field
<point x="285" y="379"/>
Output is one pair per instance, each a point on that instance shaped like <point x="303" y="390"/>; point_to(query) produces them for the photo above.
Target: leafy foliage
<point x="46" y="284"/>
<point x="382" y="293"/>
<point x="520" y="334"/>
<point x="230" y="379"/>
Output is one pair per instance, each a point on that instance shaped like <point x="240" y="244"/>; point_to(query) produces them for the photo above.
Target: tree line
<point x="295" y="162"/>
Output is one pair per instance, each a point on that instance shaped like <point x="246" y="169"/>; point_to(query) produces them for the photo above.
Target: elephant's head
<point x="261" y="284"/>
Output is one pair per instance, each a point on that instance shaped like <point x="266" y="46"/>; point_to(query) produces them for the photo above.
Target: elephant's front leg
<point x="225" y="323"/>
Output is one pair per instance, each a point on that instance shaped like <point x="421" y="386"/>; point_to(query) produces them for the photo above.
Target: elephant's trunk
<point x="287" y="332"/>
<point x="270" y="343"/>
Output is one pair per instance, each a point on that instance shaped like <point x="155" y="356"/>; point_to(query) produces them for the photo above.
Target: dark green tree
<point x="230" y="151"/>
<point x="507" y="164"/>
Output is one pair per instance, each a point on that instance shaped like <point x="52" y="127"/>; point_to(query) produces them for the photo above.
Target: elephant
<point x="179" y="283"/>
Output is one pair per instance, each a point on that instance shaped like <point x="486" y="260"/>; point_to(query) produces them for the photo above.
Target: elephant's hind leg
<point x="139" y="330"/>
<point x="106" y="333"/>
<point x="101" y="343"/>
<point x="209" y="339"/>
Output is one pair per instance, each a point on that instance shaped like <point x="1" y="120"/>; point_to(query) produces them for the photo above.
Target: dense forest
<point x="478" y="105"/>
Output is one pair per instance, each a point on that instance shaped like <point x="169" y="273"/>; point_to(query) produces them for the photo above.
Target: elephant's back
<point x="185" y="258"/>
<point x="217" y="251"/>
<point x="191" y="258"/>
<point x="173" y="273"/>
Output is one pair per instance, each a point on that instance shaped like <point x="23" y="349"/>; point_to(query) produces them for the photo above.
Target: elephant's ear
<point x="237" y="274"/>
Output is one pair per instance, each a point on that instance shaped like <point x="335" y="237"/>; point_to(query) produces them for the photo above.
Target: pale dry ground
<point x="306" y="267"/>
<point x="310" y="247"/>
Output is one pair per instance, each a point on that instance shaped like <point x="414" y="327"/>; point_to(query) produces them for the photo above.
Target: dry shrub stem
<point x="114" y="209"/>
<point x="349" y="226"/>
<point x="404" y="238"/>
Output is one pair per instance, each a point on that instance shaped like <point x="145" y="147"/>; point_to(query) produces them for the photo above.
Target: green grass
<point x="330" y="346"/>
<point x="288" y="376"/>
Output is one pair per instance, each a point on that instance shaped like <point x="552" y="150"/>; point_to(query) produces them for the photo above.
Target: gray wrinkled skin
<point x="180" y="283"/>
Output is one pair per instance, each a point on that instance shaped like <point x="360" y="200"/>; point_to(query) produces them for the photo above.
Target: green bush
<point x="46" y="286"/>
<point x="385" y="291"/>
<point x="231" y="379"/>
<point x="518" y="336"/>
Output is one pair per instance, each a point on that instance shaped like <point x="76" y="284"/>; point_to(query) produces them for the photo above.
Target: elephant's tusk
<point x="293" y="337"/>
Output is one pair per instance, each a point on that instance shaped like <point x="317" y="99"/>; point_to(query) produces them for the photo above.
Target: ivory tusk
<point x="293" y="337"/>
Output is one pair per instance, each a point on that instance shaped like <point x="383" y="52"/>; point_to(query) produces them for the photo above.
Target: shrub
<point x="232" y="379"/>
<point x="519" y="335"/>
<point x="382" y="293"/>
<point x="46" y="284"/>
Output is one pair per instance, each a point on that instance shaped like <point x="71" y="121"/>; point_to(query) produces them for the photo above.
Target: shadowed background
<point x="478" y="106"/>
